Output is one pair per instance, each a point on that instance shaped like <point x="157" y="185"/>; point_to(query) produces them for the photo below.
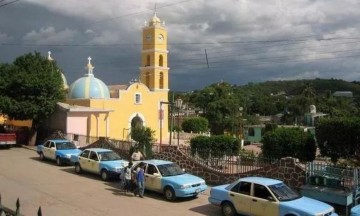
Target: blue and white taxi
<point x="265" y="196"/>
<point x="59" y="150"/>
<point x="168" y="178"/>
<point x="100" y="161"/>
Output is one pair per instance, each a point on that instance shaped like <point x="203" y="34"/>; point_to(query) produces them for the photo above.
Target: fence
<point x="227" y="162"/>
<point x="9" y="212"/>
<point x="324" y="174"/>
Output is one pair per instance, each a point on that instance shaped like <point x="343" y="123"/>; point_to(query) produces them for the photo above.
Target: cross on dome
<point x="49" y="56"/>
<point x="154" y="20"/>
<point x="90" y="67"/>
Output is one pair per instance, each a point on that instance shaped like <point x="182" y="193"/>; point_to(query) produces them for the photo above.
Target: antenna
<point x="207" y="60"/>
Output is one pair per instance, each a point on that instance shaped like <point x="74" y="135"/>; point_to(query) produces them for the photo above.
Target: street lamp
<point x="161" y="119"/>
<point x="178" y="104"/>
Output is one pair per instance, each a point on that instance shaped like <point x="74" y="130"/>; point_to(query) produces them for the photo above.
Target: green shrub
<point x="195" y="125"/>
<point x="338" y="137"/>
<point x="216" y="146"/>
<point x="289" y="142"/>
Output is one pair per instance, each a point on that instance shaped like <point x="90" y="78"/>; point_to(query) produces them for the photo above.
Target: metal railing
<point x="9" y="212"/>
<point x="228" y="162"/>
<point x="323" y="174"/>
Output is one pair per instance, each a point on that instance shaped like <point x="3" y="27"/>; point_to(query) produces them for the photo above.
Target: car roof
<point x="59" y="140"/>
<point x="261" y="180"/>
<point x="98" y="149"/>
<point x="157" y="162"/>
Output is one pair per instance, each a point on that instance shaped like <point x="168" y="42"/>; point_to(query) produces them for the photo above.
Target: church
<point x="94" y="109"/>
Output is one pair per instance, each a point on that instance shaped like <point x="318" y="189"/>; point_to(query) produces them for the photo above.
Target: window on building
<point x="161" y="60"/>
<point x="161" y="81"/>
<point x="147" y="82"/>
<point x="147" y="61"/>
<point x="262" y="131"/>
<point x="137" y="98"/>
<point x="251" y="132"/>
<point x="76" y="137"/>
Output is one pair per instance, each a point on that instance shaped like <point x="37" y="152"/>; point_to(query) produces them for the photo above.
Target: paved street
<point x="59" y="191"/>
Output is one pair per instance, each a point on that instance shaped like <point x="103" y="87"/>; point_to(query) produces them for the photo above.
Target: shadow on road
<point x="114" y="186"/>
<point x="207" y="209"/>
<point x="71" y="170"/>
<point x="46" y="161"/>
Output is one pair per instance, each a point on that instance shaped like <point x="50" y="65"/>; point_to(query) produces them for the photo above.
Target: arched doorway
<point x="137" y="122"/>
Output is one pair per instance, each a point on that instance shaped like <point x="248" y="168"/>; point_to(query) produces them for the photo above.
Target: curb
<point x="33" y="148"/>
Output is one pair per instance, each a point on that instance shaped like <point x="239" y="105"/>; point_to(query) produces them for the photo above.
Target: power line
<point x="140" y="12"/>
<point x="8" y="3"/>
<point x="182" y="43"/>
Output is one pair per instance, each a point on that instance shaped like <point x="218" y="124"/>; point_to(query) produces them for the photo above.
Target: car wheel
<point x="41" y="156"/>
<point x="58" y="161"/>
<point x="104" y="175"/>
<point x="169" y="193"/>
<point x="228" y="209"/>
<point x="78" y="168"/>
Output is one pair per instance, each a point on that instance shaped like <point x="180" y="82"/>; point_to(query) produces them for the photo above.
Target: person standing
<point x="136" y="155"/>
<point x="140" y="178"/>
<point x="127" y="172"/>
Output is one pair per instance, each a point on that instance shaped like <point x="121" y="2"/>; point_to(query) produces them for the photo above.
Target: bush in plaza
<point x="216" y="146"/>
<point x="195" y="125"/>
<point x="289" y="142"/>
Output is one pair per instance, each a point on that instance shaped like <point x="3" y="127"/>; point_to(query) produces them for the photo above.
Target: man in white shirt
<point x="136" y="156"/>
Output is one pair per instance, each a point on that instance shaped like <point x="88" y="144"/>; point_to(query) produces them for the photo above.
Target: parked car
<point x="265" y="196"/>
<point x="59" y="150"/>
<point x="168" y="178"/>
<point x="99" y="161"/>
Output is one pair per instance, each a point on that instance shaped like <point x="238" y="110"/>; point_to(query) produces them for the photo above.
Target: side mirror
<point x="52" y="148"/>
<point x="156" y="174"/>
<point x="270" y="198"/>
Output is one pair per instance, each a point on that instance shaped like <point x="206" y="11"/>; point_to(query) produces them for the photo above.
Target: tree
<point x="30" y="88"/>
<point x="293" y="142"/>
<point x="195" y="125"/>
<point x="339" y="137"/>
<point x="144" y="138"/>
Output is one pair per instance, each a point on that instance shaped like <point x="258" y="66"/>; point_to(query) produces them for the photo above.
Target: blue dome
<point x="89" y="87"/>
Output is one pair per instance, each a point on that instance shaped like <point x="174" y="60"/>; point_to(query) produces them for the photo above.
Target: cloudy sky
<point x="236" y="41"/>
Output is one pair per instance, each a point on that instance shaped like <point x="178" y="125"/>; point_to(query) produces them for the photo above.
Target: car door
<point x="152" y="178"/>
<point x="240" y="197"/>
<point x="84" y="160"/>
<point x="263" y="202"/>
<point x="51" y="151"/>
<point x="45" y="150"/>
<point x="94" y="163"/>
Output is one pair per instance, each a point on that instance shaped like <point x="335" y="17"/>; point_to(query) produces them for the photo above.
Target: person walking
<point x="140" y="179"/>
<point x="127" y="173"/>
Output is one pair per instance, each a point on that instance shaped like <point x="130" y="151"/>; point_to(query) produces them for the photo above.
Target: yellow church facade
<point x="97" y="110"/>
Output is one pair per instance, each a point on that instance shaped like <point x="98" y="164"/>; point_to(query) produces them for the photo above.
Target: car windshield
<point x="108" y="156"/>
<point x="283" y="192"/>
<point x="170" y="169"/>
<point x="65" y="145"/>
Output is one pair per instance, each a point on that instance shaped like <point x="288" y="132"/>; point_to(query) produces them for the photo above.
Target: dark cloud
<point x="245" y="41"/>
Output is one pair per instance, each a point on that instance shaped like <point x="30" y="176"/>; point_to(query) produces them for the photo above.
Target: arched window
<point x="161" y="60"/>
<point x="147" y="60"/>
<point x="161" y="81"/>
<point x="251" y="132"/>
<point x="147" y="82"/>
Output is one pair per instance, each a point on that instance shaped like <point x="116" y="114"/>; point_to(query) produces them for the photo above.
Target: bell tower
<point x="154" y="71"/>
